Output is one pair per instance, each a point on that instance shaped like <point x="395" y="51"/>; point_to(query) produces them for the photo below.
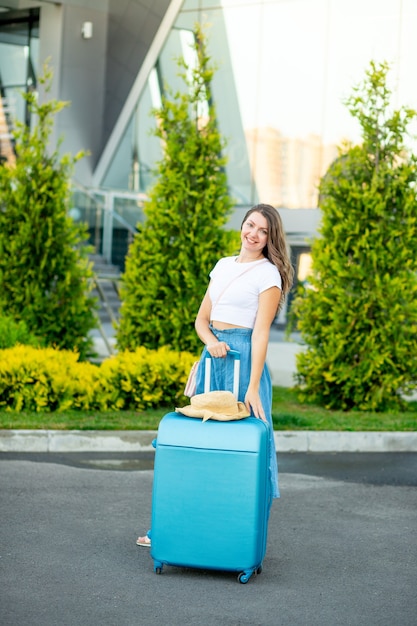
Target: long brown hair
<point x="276" y="249"/>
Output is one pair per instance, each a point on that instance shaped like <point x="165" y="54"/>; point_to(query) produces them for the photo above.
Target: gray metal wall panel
<point x="132" y="27"/>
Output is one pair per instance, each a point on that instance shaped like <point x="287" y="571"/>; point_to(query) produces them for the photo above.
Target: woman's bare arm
<point x="268" y="305"/>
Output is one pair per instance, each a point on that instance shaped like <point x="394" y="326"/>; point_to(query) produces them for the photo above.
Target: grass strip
<point x="287" y="414"/>
<point x="290" y="414"/>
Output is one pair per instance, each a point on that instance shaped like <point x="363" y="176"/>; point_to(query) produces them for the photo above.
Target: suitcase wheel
<point x="157" y="567"/>
<point x="243" y="577"/>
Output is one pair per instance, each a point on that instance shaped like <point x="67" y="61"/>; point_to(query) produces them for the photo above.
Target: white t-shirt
<point x="239" y="303"/>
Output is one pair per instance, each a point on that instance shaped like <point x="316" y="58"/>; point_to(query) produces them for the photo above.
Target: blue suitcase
<point x="211" y="494"/>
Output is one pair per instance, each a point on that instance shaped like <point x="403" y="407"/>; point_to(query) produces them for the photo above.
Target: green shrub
<point x="145" y="379"/>
<point x="184" y="232"/>
<point x="45" y="275"/>
<point x="39" y="379"/>
<point x="359" y="318"/>
<point x="14" y="332"/>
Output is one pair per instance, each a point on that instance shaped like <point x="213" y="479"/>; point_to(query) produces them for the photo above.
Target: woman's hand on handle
<point x="218" y="349"/>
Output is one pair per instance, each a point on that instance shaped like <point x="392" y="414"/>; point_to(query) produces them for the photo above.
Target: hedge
<point x="39" y="379"/>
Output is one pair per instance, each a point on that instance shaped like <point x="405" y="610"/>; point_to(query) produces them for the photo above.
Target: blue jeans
<point x="222" y="379"/>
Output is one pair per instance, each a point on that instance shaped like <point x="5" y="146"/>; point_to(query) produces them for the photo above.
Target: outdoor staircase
<point x="106" y="290"/>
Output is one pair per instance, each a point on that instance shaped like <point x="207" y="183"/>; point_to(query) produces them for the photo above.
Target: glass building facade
<point x="19" y="55"/>
<point x="284" y="69"/>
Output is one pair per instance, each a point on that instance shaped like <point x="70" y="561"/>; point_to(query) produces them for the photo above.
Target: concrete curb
<point x="344" y="441"/>
<point x="141" y="441"/>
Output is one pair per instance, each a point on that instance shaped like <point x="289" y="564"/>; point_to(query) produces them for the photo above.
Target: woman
<point x="237" y="311"/>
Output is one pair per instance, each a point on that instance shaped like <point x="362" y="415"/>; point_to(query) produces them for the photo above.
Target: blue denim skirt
<point x="222" y="379"/>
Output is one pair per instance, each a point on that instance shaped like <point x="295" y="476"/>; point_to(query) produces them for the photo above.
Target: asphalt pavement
<point x="342" y="546"/>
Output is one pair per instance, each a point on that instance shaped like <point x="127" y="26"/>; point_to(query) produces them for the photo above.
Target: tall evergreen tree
<point x="359" y="319"/>
<point x="183" y="234"/>
<point x="45" y="278"/>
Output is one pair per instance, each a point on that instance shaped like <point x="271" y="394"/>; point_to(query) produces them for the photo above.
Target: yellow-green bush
<point x="39" y="379"/>
<point x="144" y="379"/>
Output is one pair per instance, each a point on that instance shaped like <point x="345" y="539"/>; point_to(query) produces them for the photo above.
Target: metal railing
<point x="105" y="211"/>
<point x="111" y="217"/>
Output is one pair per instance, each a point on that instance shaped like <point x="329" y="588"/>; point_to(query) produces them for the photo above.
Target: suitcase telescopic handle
<point x="236" y="372"/>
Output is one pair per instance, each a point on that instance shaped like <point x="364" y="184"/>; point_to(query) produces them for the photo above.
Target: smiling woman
<point x="236" y="314"/>
<point x="238" y="309"/>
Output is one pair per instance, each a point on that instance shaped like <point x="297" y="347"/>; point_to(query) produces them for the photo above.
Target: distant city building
<point x="287" y="170"/>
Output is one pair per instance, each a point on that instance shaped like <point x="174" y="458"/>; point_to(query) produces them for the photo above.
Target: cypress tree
<point x="45" y="278"/>
<point x="183" y="234"/>
<point x="359" y="318"/>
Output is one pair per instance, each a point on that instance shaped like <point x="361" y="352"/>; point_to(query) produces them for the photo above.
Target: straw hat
<point x="216" y="405"/>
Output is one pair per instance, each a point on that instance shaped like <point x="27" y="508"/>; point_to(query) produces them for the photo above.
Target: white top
<point x="239" y="303"/>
